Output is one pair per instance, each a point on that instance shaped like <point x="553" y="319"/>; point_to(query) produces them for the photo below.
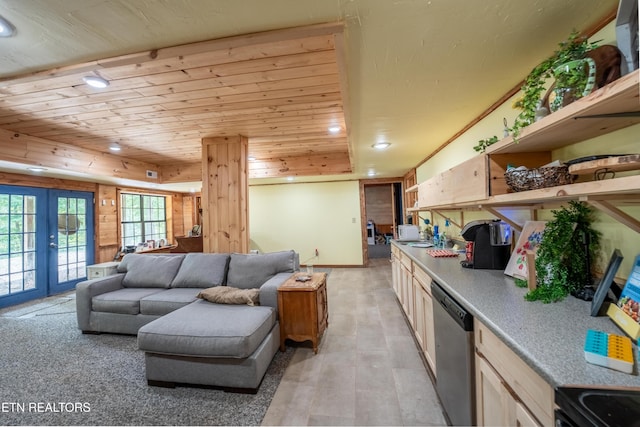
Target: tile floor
<point x="368" y="370"/>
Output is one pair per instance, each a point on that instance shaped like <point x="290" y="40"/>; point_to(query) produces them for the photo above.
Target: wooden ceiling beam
<point x="335" y="163"/>
<point x="29" y="150"/>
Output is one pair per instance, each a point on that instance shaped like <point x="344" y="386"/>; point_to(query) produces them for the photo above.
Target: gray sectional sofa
<point x="188" y="340"/>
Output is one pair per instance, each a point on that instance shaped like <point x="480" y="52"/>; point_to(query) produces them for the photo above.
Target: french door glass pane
<point x="17" y="243"/>
<point x="72" y="238"/>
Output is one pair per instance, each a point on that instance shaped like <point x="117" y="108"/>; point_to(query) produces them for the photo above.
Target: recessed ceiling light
<point x="290" y="178"/>
<point x="95" y="81"/>
<point x="6" y="29"/>
<point x="371" y="173"/>
<point x="115" y="147"/>
<point x="334" y="129"/>
<point x="251" y="158"/>
<point x="381" y="145"/>
<point x="36" y="169"/>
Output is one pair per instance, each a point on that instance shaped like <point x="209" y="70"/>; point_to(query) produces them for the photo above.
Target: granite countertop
<point x="549" y="337"/>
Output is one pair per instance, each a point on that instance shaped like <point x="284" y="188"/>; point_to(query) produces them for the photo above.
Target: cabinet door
<point x="395" y="274"/>
<point x="524" y="418"/>
<point x="430" y="338"/>
<point x="465" y="182"/>
<point x="407" y="293"/>
<point x="420" y="321"/>
<point x="494" y="404"/>
<point x="424" y="316"/>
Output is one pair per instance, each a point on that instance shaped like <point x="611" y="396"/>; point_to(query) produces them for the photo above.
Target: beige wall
<point x="308" y="216"/>
<point x="614" y="234"/>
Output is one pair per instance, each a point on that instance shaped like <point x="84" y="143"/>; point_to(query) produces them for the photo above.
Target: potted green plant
<point x="563" y="256"/>
<point x="575" y="48"/>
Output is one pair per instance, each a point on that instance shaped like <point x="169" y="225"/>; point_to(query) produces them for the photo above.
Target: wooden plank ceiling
<point x="282" y="89"/>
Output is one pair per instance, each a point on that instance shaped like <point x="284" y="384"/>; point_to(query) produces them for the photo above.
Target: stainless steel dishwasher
<point x="455" y="381"/>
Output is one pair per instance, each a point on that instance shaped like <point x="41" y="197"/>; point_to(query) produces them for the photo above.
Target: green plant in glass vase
<point x="574" y="48"/>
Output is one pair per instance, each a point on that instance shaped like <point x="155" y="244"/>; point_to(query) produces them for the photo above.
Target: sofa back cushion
<point x="201" y="270"/>
<point x="149" y="271"/>
<point x="248" y="271"/>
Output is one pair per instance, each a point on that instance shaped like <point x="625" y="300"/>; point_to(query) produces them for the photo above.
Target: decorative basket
<point x="532" y="179"/>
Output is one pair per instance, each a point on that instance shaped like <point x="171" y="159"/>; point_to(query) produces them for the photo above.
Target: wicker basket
<point x="532" y="179"/>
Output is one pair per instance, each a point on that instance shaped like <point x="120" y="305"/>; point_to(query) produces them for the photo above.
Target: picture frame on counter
<point x="605" y="283"/>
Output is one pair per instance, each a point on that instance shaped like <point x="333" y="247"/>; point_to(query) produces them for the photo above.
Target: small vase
<point x="564" y="92"/>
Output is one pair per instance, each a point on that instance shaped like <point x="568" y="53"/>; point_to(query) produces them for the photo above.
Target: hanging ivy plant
<point x="575" y="47"/>
<point x="561" y="259"/>
<point x="484" y="143"/>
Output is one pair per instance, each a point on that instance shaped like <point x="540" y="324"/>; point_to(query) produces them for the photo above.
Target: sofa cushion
<point x="230" y="295"/>
<point x="201" y="270"/>
<point x="208" y="330"/>
<point x="252" y="270"/>
<point x="150" y="271"/>
<point x="122" y="301"/>
<point x="168" y="300"/>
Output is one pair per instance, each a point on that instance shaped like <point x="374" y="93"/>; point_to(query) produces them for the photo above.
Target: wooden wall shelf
<point x="564" y="127"/>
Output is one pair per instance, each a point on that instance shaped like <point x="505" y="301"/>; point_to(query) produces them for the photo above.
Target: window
<point x="143" y="218"/>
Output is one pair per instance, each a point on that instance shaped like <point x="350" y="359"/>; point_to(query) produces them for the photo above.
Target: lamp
<point x="96" y="82"/>
<point x="6" y="29"/>
<point x="381" y="145"/>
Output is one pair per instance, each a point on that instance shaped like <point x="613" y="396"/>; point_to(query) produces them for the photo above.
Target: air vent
<point x="152" y="174"/>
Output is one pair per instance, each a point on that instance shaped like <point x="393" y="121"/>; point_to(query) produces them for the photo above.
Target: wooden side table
<point x="303" y="309"/>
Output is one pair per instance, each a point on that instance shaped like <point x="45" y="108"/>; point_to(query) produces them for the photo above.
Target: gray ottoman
<point x="227" y="346"/>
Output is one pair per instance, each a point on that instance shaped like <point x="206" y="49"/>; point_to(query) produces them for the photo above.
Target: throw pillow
<point x="230" y="295"/>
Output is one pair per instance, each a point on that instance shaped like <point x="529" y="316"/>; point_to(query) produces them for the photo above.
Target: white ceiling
<point x="418" y="71"/>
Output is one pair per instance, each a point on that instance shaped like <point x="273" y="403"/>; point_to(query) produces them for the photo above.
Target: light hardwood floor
<point x="367" y="371"/>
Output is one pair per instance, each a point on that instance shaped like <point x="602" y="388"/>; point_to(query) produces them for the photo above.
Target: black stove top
<point x="600" y="407"/>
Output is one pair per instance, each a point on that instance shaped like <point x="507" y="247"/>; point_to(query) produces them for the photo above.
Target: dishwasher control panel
<point x="451" y="306"/>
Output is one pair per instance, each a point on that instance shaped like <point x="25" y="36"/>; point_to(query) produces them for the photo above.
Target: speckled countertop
<point x="549" y="337"/>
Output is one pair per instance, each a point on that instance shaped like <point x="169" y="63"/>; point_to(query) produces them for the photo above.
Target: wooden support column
<point x="225" y="219"/>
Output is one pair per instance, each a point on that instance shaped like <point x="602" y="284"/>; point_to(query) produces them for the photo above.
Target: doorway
<point x="382" y="213"/>
<point x="46" y="241"/>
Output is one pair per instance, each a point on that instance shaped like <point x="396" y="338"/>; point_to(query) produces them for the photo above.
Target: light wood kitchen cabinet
<point x="412" y="286"/>
<point x="395" y="269"/>
<point x="508" y="391"/>
<point x="406" y="288"/>
<point x="423" y="327"/>
<point x="496" y="403"/>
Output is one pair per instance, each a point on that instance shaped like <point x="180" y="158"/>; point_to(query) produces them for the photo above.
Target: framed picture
<point x="529" y="240"/>
<point x="605" y="283"/>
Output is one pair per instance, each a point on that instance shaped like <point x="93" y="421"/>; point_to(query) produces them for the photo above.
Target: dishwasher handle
<point x="452" y="307"/>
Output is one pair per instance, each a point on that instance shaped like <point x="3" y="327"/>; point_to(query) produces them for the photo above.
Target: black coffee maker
<point x="488" y="244"/>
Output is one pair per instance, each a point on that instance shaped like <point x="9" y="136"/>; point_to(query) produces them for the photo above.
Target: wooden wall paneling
<point x="107" y="214"/>
<point x="45" y="182"/>
<point x="188" y="216"/>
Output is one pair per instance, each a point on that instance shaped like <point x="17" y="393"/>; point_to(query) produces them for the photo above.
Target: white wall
<point x="308" y="216"/>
